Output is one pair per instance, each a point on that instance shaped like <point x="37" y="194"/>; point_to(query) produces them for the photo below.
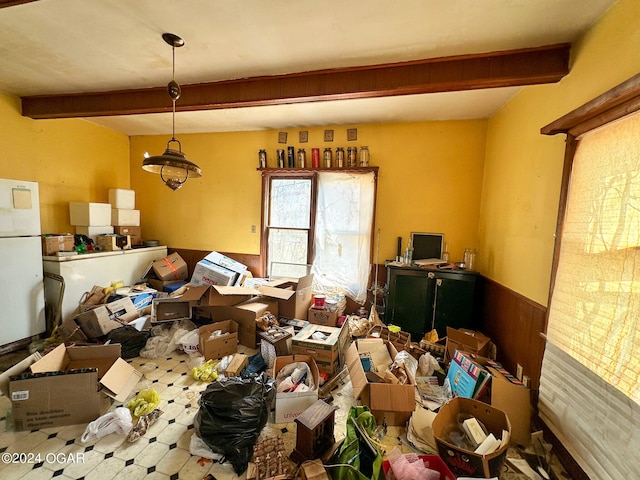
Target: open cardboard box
<point x="88" y="379"/>
<point x="244" y="314"/>
<point x="328" y="351"/>
<point x="396" y="402"/>
<point x="213" y="348"/>
<point x="291" y="404"/>
<point x="464" y="462"/>
<point x="294" y="295"/>
<point x="170" y="310"/>
<point x="467" y="340"/>
<point x="218" y="294"/>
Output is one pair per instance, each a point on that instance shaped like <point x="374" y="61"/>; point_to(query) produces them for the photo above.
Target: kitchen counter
<point x="93" y="255"/>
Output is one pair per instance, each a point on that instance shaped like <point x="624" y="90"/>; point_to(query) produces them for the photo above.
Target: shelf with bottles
<point x="287" y="159"/>
<point x="318" y="169"/>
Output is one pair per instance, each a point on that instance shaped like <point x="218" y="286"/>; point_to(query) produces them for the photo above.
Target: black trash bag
<point x="130" y="338"/>
<point x="231" y="416"/>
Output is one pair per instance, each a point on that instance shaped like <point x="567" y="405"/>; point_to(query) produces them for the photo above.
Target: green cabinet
<point x="419" y="300"/>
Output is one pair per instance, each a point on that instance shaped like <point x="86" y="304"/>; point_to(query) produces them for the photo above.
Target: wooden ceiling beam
<point x="521" y="67"/>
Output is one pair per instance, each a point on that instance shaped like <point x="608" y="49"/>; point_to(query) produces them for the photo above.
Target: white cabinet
<point x="81" y="272"/>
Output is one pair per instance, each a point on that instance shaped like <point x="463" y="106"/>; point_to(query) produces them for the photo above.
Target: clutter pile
<point x="447" y="400"/>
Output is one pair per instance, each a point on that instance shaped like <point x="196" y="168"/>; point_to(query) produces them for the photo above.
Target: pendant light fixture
<point x="172" y="166"/>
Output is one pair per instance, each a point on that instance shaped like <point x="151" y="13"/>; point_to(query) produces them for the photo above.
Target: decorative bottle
<point x="408" y="253"/>
<point x="365" y="156"/>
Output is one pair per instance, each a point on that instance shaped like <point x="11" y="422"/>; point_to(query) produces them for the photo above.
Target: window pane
<point x="288" y="246"/>
<point x="290" y="203"/>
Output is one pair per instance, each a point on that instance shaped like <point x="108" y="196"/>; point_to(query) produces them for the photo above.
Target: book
<point x="466" y="377"/>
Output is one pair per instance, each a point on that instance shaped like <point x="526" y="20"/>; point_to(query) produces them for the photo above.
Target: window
<point x="321" y="222"/>
<point x="590" y="381"/>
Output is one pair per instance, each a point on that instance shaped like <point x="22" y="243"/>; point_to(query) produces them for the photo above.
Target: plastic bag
<point x="427" y="365"/>
<point x="145" y="402"/>
<point x="118" y="421"/>
<point x="357" y="458"/>
<point x="409" y="362"/>
<point x="232" y="413"/>
<point x="198" y="448"/>
<point x="165" y="340"/>
<point x="207" y="372"/>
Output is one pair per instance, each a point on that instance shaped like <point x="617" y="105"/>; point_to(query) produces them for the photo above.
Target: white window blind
<point x="590" y="380"/>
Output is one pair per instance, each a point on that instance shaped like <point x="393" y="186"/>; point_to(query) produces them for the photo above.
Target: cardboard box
<point x="239" y="362"/>
<point x="328" y="352"/>
<point x="213" y="348"/>
<point x="125" y="217"/>
<point x="219" y="294"/>
<point x="322" y="317"/>
<point x="135" y="232"/>
<point x="121" y="198"/>
<point x="104" y="318"/>
<point x="511" y="396"/>
<point x="291" y="404"/>
<point x="401" y="340"/>
<point x="90" y="214"/>
<point x="294" y="296"/>
<point x="228" y="263"/>
<point x="380" y="397"/>
<point x="93" y="232"/>
<point x="165" y="286"/>
<point x="70" y="331"/>
<point x="45" y="401"/>
<point x="467" y="341"/>
<point x="170" y="268"/>
<point x="52" y="244"/>
<point x="245" y="314"/>
<point x="464" y="462"/>
<point x="170" y="310"/>
<point x="112" y="243"/>
<point x="143" y="299"/>
<point x="207" y="273"/>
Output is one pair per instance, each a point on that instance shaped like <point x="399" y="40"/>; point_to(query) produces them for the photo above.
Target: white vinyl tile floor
<point x="164" y="451"/>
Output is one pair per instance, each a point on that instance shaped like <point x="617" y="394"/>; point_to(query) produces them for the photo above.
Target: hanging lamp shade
<point x="172" y="166"/>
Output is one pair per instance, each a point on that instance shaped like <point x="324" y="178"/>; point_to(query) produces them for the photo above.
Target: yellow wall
<point x="429" y="180"/>
<point x="489" y="184"/>
<point x="73" y="160"/>
<point x="523" y="168"/>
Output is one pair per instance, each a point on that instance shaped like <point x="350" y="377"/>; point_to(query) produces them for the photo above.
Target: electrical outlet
<point x="525" y="380"/>
<point x="253" y="229"/>
<point x="519" y="372"/>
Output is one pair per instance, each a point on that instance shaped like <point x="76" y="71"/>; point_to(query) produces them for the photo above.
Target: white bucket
<point x="190" y="342"/>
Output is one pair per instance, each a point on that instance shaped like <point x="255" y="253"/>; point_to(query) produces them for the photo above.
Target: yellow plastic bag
<point x="207" y="372"/>
<point x="145" y="402"/>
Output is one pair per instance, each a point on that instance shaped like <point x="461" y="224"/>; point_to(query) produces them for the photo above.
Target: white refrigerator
<point x="21" y="278"/>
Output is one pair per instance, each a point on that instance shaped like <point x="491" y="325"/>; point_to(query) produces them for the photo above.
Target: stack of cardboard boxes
<point x="111" y="226"/>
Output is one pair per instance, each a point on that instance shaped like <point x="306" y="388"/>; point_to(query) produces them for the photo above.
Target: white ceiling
<point x="73" y="46"/>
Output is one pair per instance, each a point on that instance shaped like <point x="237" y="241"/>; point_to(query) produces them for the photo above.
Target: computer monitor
<point x="427" y="245"/>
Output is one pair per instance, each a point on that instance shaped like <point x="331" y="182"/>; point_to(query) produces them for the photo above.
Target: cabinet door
<point x="452" y="296"/>
<point x="407" y="301"/>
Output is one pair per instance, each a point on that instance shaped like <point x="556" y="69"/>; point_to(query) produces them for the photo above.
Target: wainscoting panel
<point x="514" y="323"/>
